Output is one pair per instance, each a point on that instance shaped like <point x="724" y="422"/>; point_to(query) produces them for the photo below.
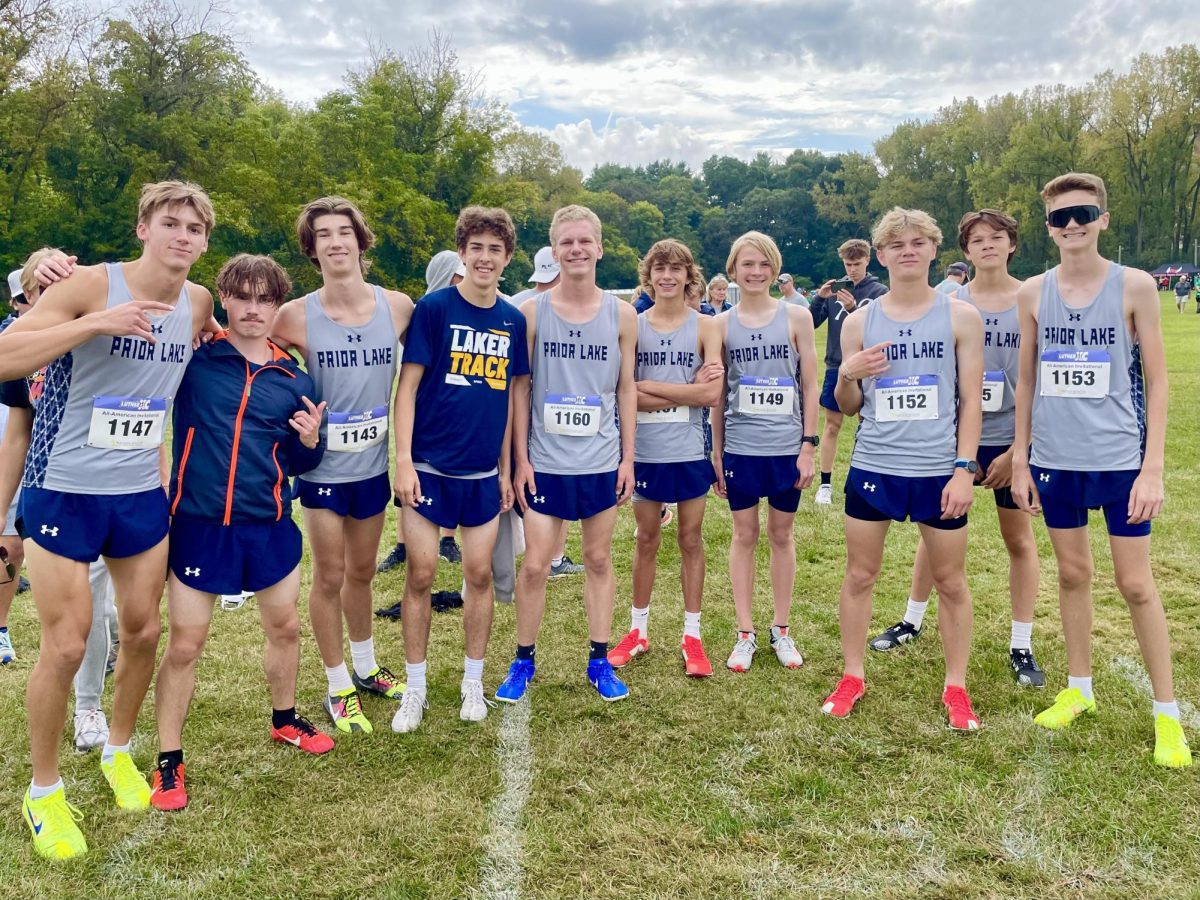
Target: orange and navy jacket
<point x="234" y="448"/>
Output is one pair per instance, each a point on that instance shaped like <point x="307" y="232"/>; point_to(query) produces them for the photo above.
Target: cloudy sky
<point x="631" y="81"/>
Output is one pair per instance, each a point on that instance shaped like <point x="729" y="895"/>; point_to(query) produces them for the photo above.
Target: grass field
<point x="732" y="787"/>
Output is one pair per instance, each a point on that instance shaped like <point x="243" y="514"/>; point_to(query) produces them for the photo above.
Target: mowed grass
<point x="732" y="787"/>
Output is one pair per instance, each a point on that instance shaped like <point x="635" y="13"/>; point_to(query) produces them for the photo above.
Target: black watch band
<point x="814" y="439"/>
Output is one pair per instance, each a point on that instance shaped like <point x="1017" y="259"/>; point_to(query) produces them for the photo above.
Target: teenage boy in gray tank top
<point x="347" y="333"/>
<point x="115" y="364"/>
<point x="570" y="461"/>
<point x="988" y="238"/>
<point x="913" y="369"/>
<point x="1092" y="398"/>
<point x="679" y="372"/>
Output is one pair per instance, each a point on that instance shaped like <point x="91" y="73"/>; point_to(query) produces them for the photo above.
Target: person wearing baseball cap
<point x="956" y="276"/>
<point x="787" y="287"/>
<point x="545" y="275"/>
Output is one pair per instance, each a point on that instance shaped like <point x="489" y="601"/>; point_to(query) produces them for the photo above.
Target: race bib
<point x="993" y="391"/>
<point x="573" y="415"/>
<point x="661" y="416"/>
<point x="354" y="432"/>
<point x="766" y="396"/>
<point x="906" y="398"/>
<point x="1076" y="373"/>
<point x="127" y="423"/>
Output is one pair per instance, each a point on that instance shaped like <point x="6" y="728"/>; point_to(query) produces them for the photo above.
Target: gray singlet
<point x="573" y="419"/>
<point x="106" y="404"/>
<point x="1085" y="345"/>
<point x="671" y="435"/>
<point x="916" y="398"/>
<point x="763" y="418"/>
<point x="1001" y="357"/>
<point x="354" y="369"/>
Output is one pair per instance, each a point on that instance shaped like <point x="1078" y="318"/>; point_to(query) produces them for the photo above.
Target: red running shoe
<point x="301" y="733"/>
<point x="167" y="791"/>
<point x="633" y="644"/>
<point x="958" y="709"/>
<point x="695" y="660"/>
<point x="848" y="692"/>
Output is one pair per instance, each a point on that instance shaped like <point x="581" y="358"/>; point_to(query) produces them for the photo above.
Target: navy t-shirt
<point x="471" y="356"/>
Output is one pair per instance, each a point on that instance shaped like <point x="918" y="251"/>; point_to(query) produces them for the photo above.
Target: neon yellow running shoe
<point x="51" y="821"/>
<point x="381" y="683"/>
<point x="346" y="713"/>
<point x="129" y="785"/>
<point x="1068" y="706"/>
<point x="1170" y="745"/>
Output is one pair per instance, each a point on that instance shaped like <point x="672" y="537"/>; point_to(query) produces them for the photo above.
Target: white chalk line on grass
<point x="1131" y="670"/>
<point x="502" y="868"/>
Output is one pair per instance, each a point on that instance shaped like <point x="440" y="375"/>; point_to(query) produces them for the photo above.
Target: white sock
<point x="111" y="750"/>
<point x="915" y="614"/>
<point x="640" y="620"/>
<point x="1083" y="684"/>
<point x="338" y="678"/>
<point x="37" y="792"/>
<point x="557" y="561"/>
<point x="414" y="674"/>
<point x="691" y="624"/>
<point x="1170" y="708"/>
<point x="1022" y="636"/>
<point x="472" y="669"/>
<point x="363" y="654"/>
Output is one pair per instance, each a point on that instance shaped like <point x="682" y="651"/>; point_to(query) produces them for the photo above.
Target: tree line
<point x="89" y="111"/>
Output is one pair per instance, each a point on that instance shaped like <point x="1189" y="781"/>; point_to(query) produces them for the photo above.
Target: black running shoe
<point x="448" y="550"/>
<point x="900" y="633"/>
<point x="397" y="557"/>
<point x="1025" y="668"/>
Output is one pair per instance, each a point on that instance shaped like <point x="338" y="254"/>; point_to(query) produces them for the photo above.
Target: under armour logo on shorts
<point x="190" y="572"/>
<point x="1045" y="476"/>
<point x="905" y="332"/>
<point x="51" y="530"/>
<point x="642" y="484"/>
<point x="427" y="501"/>
<point x="541" y="499"/>
<point x="575" y="332"/>
<point x="729" y="473"/>
<point x="324" y="492"/>
<point x="756" y="337"/>
<point x="869" y="486"/>
<point x="353" y="338"/>
<point x="1075" y="317"/>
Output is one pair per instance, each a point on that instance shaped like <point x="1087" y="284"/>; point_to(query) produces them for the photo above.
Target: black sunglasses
<point x="8" y="568"/>
<point x="1083" y="215"/>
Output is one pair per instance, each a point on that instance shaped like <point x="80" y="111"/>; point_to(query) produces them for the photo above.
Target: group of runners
<point x="558" y="410"/>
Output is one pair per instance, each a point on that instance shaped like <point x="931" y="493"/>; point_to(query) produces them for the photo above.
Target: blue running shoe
<point x="516" y="682"/>
<point x="605" y="680"/>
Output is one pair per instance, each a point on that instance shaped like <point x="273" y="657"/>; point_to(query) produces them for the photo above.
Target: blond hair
<point x="718" y="281"/>
<point x="29" y="283"/>
<point x="855" y="248"/>
<point x="672" y="251"/>
<point x="574" y="213"/>
<point x="169" y="194"/>
<point x="1076" y="181"/>
<point x="333" y="206"/>
<point x="898" y="220"/>
<point x="760" y="242"/>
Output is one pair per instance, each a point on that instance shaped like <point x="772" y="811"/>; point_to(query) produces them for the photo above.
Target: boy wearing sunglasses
<point x="1092" y="398"/>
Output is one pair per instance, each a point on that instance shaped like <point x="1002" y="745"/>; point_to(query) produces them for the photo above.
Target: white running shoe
<point x="743" y="654"/>
<point x="91" y="730"/>
<point x="232" y="602"/>
<point x="7" y="654"/>
<point x="412" y="710"/>
<point x="824" y="495"/>
<point x="474" y="704"/>
<point x="785" y="650"/>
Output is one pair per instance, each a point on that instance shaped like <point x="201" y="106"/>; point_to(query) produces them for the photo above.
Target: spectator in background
<point x="546" y="274"/>
<point x="956" y="276"/>
<point x="787" y="288"/>
<point x="1182" y="286"/>
<point x="716" y="301"/>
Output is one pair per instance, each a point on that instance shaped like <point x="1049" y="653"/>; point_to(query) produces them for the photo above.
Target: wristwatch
<point x="969" y="464"/>
<point x="814" y="439"/>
